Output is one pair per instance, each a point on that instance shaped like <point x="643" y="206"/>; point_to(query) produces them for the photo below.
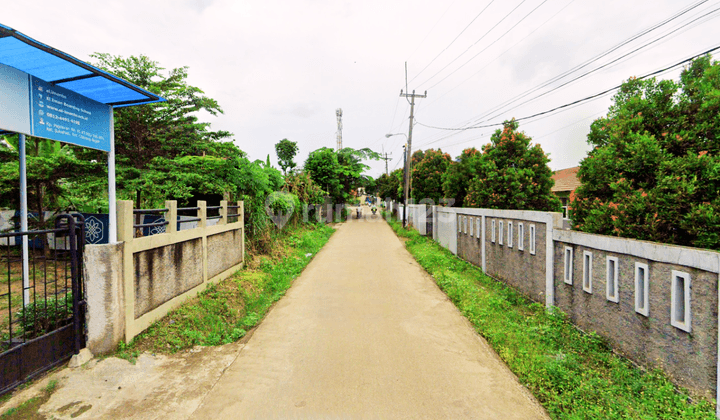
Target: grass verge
<point x="224" y="312"/>
<point x="574" y="375"/>
<point x="29" y="408"/>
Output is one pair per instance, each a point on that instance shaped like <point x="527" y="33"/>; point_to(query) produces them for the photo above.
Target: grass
<point x="574" y="375"/>
<point x="29" y="408"/>
<point x="224" y="312"/>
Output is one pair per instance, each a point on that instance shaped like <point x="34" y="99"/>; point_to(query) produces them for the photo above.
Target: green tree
<point x="161" y="130"/>
<point x="52" y="168"/>
<point x="456" y="179"/>
<point x="427" y="175"/>
<point x="654" y="172"/>
<point x="389" y="185"/>
<point x="286" y="151"/>
<point x="513" y="174"/>
<point x="339" y="172"/>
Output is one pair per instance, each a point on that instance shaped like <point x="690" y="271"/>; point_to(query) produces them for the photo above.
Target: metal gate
<point x="42" y="322"/>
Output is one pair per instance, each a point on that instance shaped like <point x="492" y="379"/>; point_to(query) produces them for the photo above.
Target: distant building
<point x="566" y="181"/>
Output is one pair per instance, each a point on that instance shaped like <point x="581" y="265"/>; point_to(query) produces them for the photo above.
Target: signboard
<point x="32" y="106"/>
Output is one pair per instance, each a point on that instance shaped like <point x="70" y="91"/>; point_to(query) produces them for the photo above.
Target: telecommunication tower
<point x="338" y="114"/>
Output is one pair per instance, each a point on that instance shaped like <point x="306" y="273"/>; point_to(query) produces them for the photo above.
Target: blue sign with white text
<point x="59" y="114"/>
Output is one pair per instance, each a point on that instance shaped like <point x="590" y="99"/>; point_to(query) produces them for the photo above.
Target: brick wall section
<point x="468" y="246"/>
<point x="690" y="358"/>
<point x="520" y="269"/>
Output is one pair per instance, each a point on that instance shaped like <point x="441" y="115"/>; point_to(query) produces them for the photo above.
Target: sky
<point x="280" y="69"/>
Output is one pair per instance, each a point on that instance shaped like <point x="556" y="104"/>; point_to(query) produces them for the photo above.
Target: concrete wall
<point x="132" y="284"/>
<point x="105" y="317"/>
<point x="645" y="334"/>
<point x="165" y="272"/>
<point x="689" y="357"/>
<point x="224" y="249"/>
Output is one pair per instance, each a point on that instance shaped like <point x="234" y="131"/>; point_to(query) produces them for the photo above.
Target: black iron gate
<point x="42" y="322"/>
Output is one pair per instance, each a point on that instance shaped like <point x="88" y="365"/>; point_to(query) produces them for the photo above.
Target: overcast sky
<point x="280" y="69"/>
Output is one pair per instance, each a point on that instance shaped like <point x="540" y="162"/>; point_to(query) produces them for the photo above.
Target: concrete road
<point x="364" y="333"/>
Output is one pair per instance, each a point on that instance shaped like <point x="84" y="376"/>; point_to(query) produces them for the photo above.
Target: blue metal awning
<point x="58" y="68"/>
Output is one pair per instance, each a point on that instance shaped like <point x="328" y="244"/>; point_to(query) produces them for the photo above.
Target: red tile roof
<point x="566" y="180"/>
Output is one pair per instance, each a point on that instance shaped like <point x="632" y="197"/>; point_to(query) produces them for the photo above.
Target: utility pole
<point x="338" y="114"/>
<point x="408" y="157"/>
<point x="386" y="158"/>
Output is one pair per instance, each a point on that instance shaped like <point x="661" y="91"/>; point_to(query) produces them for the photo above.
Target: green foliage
<point x="286" y="151"/>
<point x="338" y="173"/>
<point x="162" y="130"/>
<point x="302" y="185"/>
<point x="512" y="174"/>
<point x="52" y="170"/>
<point x="456" y="179"/>
<point x="574" y="375"/>
<point x="427" y="175"/>
<point x="654" y="173"/>
<point x="389" y="185"/>
<point x="40" y="317"/>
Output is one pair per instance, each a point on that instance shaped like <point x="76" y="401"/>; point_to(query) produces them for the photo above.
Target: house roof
<point x="566" y="180"/>
<point x="58" y="68"/>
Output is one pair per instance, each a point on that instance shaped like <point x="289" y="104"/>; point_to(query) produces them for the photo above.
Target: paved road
<point x="365" y="333"/>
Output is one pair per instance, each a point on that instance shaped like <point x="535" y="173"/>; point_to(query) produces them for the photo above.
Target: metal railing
<point x="41" y="299"/>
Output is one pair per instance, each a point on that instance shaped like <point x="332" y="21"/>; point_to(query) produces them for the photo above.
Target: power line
<point x="588" y="62"/>
<point x="654" y="73"/>
<point x="491" y="44"/>
<point x="475" y="43"/>
<point x="603" y="66"/>
<point x="504" y="52"/>
<point x="431" y="29"/>
<point x="453" y="41"/>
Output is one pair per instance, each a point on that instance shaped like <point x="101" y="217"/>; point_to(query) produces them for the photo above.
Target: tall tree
<point x="339" y="172"/>
<point x="389" y="185"/>
<point x="427" y="175"/>
<point x="286" y="151"/>
<point x="459" y="174"/>
<point x="161" y="130"/>
<point x="653" y="173"/>
<point x="513" y="174"/>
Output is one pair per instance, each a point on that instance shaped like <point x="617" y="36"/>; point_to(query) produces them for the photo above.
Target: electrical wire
<point x="453" y="41"/>
<point x="500" y="111"/>
<point x="503" y="53"/>
<point x="654" y="73"/>
<point x="491" y="44"/>
<point x="431" y="29"/>
<point x="582" y="65"/>
<point x="475" y="43"/>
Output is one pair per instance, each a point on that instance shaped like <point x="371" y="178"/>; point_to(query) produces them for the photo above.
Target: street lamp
<point x="396" y="134"/>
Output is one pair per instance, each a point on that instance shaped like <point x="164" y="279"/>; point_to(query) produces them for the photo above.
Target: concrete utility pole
<point x="408" y="158"/>
<point x="338" y="114"/>
<point x="386" y="158"/>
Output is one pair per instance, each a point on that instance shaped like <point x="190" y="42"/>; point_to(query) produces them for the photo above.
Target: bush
<point x="43" y="316"/>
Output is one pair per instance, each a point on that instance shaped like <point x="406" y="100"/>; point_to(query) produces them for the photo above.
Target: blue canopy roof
<point x="61" y="69"/>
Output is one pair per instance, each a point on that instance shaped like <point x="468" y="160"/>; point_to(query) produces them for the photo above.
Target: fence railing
<point x="166" y="264"/>
<point x="41" y="299"/>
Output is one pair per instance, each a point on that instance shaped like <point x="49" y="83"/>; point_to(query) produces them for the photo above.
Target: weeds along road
<point x="364" y="332"/>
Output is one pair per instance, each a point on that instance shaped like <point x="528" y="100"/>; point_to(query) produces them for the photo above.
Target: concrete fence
<point x="656" y="304"/>
<point x="133" y="283"/>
